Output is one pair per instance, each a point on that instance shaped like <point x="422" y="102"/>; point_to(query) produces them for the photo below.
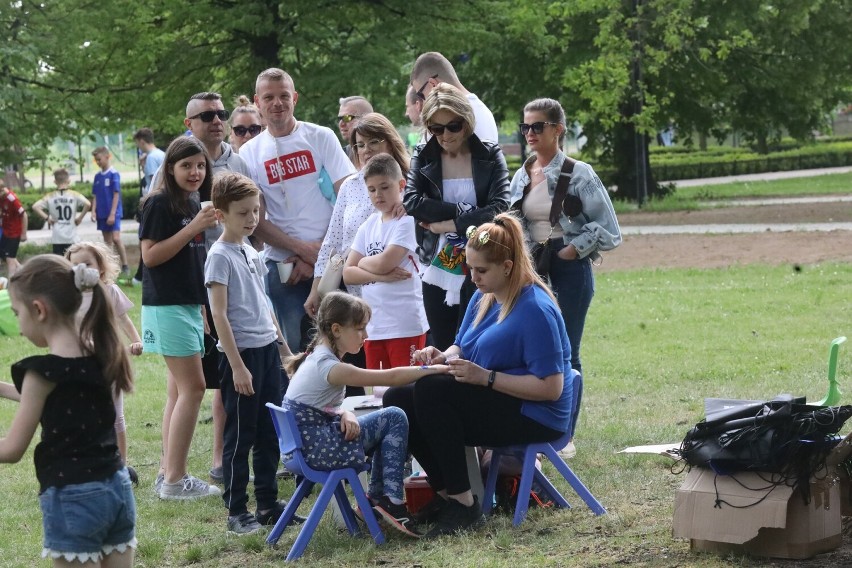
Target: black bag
<point x="540" y="252"/>
<point x="781" y="437"/>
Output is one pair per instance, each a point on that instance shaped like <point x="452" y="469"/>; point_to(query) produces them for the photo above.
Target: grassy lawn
<point x="657" y="343"/>
<point x="684" y="198"/>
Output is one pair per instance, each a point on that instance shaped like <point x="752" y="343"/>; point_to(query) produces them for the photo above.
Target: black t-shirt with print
<point x="77" y="424"/>
<point x="179" y="280"/>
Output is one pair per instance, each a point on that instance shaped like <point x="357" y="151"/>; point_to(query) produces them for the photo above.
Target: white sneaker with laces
<point x="188" y="488"/>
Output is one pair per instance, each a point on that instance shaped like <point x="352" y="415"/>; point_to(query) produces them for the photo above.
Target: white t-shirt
<point x="486" y="127"/>
<point x="287" y="170"/>
<point x="63" y="206"/>
<point x="397" y="306"/>
<point x="309" y="384"/>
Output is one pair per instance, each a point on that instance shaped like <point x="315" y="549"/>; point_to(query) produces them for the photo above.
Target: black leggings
<point x="445" y="415"/>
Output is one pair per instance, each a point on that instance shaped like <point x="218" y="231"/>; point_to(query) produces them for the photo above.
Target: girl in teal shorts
<point x="171" y="237"/>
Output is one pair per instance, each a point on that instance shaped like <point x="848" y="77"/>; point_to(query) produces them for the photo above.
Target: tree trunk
<point x="632" y="164"/>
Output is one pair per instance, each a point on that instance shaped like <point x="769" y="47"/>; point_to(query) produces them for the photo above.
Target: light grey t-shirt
<point x="239" y="268"/>
<point x="309" y="385"/>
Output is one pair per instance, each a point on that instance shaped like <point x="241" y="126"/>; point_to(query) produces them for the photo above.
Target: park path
<point x="88" y="231"/>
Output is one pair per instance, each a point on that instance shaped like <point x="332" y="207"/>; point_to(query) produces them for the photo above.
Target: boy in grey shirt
<point x="253" y="346"/>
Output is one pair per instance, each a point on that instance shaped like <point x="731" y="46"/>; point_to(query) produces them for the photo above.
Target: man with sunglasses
<point x="351" y="109"/>
<point x="206" y="119"/>
<point x="432" y="68"/>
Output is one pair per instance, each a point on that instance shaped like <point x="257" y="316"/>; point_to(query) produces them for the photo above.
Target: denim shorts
<point x="88" y="520"/>
<point x="173" y="331"/>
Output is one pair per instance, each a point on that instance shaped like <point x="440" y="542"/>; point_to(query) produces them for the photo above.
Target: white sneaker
<point x="188" y="488"/>
<point x="568" y="452"/>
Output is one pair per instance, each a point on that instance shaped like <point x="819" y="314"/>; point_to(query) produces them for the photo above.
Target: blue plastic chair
<point x="290" y="443"/>
<point x="527" y="455"/>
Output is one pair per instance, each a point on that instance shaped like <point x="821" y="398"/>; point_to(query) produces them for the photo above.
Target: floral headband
<point x="483" y="237"/>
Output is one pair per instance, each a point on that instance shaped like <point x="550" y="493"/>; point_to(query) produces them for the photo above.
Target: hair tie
<point x="85" y="278"/>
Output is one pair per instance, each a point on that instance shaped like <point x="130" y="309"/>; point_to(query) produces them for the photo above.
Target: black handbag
<point x="540" y="252"/>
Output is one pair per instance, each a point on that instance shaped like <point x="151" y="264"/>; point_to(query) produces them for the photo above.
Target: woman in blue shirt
<point x="509" y="381"/>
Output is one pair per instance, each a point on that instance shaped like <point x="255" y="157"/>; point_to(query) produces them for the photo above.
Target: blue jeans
<point x="289" y="305"/>
<point x="385" y="435"/>
<point x="90" y="518"/>
<point x="574" y="285"/>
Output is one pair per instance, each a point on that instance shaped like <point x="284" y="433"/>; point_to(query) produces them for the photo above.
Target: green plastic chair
<point x="8" y="321"/>
<point x="834" y="392"/>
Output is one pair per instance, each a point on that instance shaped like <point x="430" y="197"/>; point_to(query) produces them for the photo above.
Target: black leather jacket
<point x="424" y="194"/>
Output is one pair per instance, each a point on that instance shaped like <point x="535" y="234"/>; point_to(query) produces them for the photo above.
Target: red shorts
<point x="390" y="353"/>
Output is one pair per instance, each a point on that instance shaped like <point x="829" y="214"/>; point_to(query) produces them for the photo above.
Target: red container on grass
<point x="418" y="493"/>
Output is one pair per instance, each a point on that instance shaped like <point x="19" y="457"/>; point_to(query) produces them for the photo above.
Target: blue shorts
<point x="89" y="520"/>
<point x="106" y="227"/>
<point x="173" y="331"/>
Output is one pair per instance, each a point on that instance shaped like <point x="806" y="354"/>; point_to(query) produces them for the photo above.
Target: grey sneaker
<point x="158" y="483"/>
<point x="243" y="524"/>
<point x="217" y="474"/>
<point x="188" y="488"/>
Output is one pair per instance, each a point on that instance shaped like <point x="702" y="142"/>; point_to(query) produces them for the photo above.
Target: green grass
<point x="689" y="198"/>
<point x="657" y="343"/>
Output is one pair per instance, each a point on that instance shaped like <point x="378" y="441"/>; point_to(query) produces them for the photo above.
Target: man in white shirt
<point x="299" y="167"/>
<point x="152" y="157"/>
<point x="432" y="68"/>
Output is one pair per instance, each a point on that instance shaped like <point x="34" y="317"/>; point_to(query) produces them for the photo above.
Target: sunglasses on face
<point x="536" y="127"/>
<point x="454" y="126"/>
<point x="372" y="144"/>
<point x="346" y="118"/>
<point x="241" y="131"/>
<point x="209" y="115"/>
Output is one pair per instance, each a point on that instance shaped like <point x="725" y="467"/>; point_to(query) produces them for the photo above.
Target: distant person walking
<point x="153" y="156"/>
<point x="107" y="208"/>
<point x="13" y="217"/>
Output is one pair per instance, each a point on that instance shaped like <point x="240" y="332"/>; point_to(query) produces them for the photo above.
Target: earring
<point x="505" y="274"/>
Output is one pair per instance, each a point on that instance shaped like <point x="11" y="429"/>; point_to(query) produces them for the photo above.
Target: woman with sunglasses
<point x="245" y="123"/>
<point x="582" y="231"/>
<point x="371" y="134"/>
<point x="509" y="381"/>
<point x="455" y="181"/>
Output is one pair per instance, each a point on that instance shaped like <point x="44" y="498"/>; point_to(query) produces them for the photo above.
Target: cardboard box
<point x="753" y="517"/>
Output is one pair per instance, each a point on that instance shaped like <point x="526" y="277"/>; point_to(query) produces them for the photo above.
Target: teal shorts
<point x="173" y="331"/>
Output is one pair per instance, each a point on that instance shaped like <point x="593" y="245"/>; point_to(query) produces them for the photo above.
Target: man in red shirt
<point x="14" y="219"/>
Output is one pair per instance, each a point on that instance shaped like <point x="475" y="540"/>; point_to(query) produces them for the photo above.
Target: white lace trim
<point x="84" y="557"/>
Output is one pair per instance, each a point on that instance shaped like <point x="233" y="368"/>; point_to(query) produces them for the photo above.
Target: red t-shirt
<point x="12" y="213"/>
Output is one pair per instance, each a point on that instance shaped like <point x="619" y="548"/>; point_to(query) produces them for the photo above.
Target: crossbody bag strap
<point x="561" y="190"/>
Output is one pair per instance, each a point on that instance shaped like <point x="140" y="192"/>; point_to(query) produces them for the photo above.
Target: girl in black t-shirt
<point x="172" y="242"/>
<point x="69" y="392"/>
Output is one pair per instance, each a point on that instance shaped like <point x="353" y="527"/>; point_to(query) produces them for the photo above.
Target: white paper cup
<point x="206" y="203"/>
<point x="285" y="269"/>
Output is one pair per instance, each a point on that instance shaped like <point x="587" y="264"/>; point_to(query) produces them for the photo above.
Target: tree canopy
<point x="622" y="68"/>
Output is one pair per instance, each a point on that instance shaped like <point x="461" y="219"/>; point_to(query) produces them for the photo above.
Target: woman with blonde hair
<point x="586" y="223"/>
<point x="510" y="379"/>
<point x="456" y="180"/>
<point x="245" y="123"/>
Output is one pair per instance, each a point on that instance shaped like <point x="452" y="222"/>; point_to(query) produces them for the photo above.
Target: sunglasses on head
<point x="346" y="118"/>
<point x="536" y="127"/>
<point x="209" y="115"/>
<point x="254" y="130"/>
<point x="454" y="126"/>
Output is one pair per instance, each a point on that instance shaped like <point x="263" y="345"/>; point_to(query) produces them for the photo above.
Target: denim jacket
<point x="424" y="191"/>
<point x="596" y="230"/>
